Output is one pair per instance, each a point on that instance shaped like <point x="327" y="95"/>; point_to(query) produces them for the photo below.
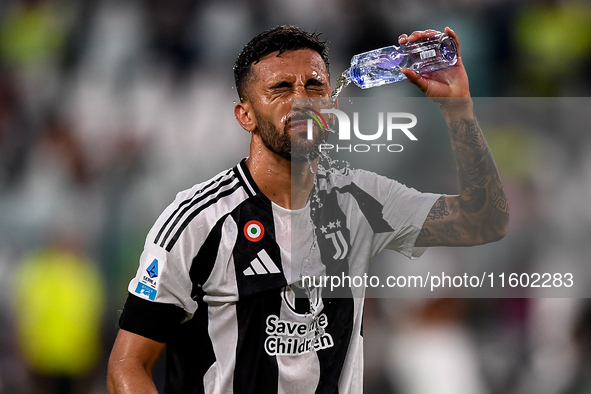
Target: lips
<point x="298" y="125"/>
<point x="298" y="121"/>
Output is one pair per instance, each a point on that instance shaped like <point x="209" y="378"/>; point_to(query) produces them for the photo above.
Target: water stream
<point x="328" y="165"/>
<point x="342" y="81"/>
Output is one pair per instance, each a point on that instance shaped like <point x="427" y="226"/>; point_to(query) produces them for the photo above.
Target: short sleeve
<point x="160" y="293"/>
<point x="403" y="208"/>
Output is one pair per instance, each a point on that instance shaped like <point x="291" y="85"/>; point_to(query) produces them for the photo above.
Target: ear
<point x="244" y="114"/>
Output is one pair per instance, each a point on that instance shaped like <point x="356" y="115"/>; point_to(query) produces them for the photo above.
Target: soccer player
<point x="218" y="281"/>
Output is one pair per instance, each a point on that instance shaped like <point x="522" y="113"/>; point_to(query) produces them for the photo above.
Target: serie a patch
<point x="149" y="280"/>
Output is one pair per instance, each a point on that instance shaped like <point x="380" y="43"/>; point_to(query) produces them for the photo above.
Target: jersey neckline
<point x="252" y="189"/>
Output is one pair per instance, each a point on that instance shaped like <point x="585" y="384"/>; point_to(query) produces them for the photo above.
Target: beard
<point x="279" y="141"/>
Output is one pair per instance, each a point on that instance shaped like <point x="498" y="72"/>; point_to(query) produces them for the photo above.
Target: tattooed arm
<point x="480" y="213"/>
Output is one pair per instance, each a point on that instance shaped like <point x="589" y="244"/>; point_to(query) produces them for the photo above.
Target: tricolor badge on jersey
<point x="254" y="231"/>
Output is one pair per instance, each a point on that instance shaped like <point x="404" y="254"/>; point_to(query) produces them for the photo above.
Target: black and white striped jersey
<point x="219" y="278"/>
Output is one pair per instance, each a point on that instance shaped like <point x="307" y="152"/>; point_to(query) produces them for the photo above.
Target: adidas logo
<point x="262" y="265"/>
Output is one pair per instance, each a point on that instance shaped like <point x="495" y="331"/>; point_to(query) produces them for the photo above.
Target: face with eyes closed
<point x="266" y="109"/>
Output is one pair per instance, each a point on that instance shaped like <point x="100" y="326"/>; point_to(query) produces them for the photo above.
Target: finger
<point x="416" y="79"/>
<point x="420" y="34"/>
<point x="402" y="39"/>
<point x="453" y="35"/>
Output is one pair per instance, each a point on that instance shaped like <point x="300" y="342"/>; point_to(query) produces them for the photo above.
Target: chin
<point x="301" y="158"/>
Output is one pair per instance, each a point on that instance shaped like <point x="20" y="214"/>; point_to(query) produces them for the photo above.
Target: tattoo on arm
<point x="426" y="238"/>
<point x="480" y="213"/>
<point x="438" y="211"/>
<point x="450" y="232"/>
<point x="499" y="201"/>
<point x="478" y="175"/>
<point x="482" y="200"/>
<point x="425" y="232"/>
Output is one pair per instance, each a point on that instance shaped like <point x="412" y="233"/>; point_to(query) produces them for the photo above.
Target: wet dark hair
<point x="280" y="38"/>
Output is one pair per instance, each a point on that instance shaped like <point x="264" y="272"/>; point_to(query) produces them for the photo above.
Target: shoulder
<point x="361" y="184"/>
<point x="333" y="178"/>
<point x="199" y="208"/>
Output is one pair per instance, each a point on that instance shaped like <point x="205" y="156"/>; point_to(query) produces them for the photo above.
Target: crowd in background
<point x="108" y="108"/>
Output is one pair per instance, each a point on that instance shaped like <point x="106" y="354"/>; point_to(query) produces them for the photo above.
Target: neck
<point x="286" y="183"/>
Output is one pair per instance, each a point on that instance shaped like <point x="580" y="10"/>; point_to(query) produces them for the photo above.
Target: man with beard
<point x="219" y="277"/>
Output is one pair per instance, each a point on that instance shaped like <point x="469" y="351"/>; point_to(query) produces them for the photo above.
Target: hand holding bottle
<point x="449" y="82"/>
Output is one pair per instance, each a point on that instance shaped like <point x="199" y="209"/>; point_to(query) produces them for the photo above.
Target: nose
<point x="299" y="90"/>
<point x="299" y="86"/>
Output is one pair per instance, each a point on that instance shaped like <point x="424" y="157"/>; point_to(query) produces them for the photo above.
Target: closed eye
<point x="314" y="83"/>
<point x="281" y="85"/>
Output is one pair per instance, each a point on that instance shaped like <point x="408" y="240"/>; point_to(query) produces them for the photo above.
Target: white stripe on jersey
<point x="222" y="317"/>
<point x="223" y="331"/>
<point x="246" y="180"/>
<point x="297" y="374"/>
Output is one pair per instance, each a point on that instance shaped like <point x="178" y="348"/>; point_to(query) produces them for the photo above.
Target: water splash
<point x="342" y="81"/>
<point x="329" y="166"/>
<point x="305" y="268"/>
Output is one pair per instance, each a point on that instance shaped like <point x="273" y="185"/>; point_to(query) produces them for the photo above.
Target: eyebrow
<point x="281" y="84"/>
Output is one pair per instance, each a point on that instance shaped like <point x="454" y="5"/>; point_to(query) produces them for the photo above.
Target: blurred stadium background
<point x="108" y="108"/>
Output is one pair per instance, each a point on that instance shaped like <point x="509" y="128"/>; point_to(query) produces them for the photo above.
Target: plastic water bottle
<point x="382" y="66"/>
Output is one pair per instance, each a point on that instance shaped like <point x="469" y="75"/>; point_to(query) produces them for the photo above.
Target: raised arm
<point x="131" y="362"/>
<point x="480" y="213"/>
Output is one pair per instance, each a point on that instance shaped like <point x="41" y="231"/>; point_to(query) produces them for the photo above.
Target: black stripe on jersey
<point x="340" y="316"/>
<point x="197" y="212"/>
<point x="338" y="303"/>
<point x="193" y="204"/>
<point x="189" y="354"/>
<point x="371" y="208"/>
<point x="255" y="370"/>
<point x="203" y="192"/>
<point x="204" y="261"/>
<point x="245" y="251"/>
